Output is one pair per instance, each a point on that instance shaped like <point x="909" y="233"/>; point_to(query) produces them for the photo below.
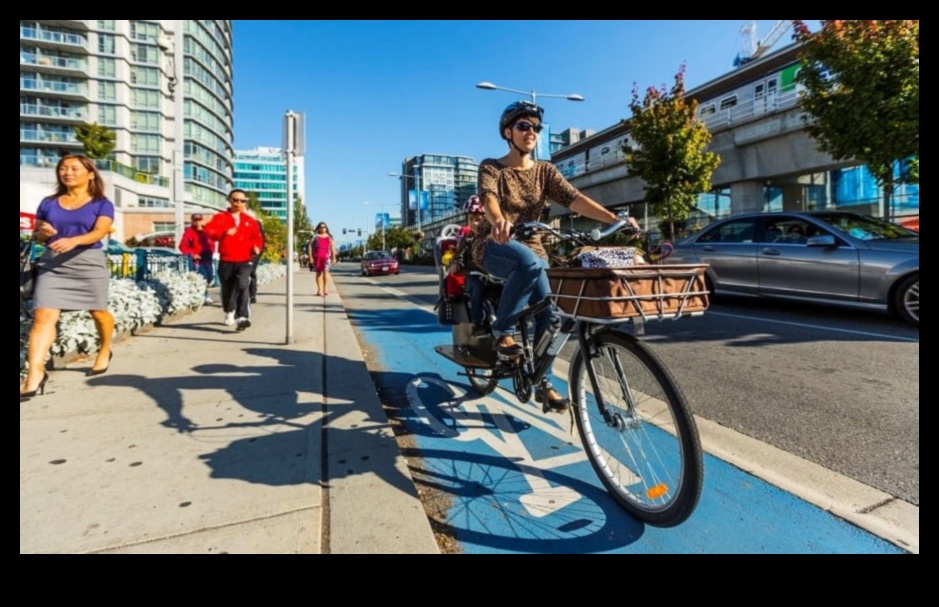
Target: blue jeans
<point x="526" y="284"/>
<point x="205" y="270"/>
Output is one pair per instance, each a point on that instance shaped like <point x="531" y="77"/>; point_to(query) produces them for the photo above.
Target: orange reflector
<point x="656" y="491"/>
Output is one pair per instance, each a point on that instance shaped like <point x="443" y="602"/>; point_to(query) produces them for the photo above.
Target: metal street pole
<point x="293" y="146"/>
<point x="179" y="188"/>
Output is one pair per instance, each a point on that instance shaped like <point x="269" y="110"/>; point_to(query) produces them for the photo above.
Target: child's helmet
<point x="473" y="205"/>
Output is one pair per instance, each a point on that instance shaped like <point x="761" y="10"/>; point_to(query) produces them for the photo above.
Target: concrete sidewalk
<point x="200" y="439"/>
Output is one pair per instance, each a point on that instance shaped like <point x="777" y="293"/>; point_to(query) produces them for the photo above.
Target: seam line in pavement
<point x="324" y="445"/>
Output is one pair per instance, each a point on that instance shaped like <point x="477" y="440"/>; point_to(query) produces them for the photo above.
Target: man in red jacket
<point x="197" y="245"/>
<point x="239" y="239"/>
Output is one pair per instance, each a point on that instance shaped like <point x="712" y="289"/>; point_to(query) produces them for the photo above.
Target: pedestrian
<point x="73" y="272"/>
<point x="239" y="239"/>
<point x="200" y="249"/>
<point x="322" y="253"/>
<point x="255" y="260"/>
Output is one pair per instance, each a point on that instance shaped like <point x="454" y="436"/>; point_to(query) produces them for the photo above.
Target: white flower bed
<point x="134" y="305"/>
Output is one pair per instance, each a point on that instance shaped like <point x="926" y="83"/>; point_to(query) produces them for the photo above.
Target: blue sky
<point x="376" y="92"/>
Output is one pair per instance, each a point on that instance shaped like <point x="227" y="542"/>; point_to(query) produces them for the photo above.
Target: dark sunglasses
<point x="240" y="200"/>
<point x="528" y="126"/>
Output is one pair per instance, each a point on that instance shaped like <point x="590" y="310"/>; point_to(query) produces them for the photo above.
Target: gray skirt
<point x="77" y="280"/>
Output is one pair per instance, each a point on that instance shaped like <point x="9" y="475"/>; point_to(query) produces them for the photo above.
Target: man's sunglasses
<point x="241" y="200"/>
<point x="528" y="126"/>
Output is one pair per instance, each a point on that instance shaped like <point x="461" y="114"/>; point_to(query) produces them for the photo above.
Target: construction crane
<point x="753" y="49"/>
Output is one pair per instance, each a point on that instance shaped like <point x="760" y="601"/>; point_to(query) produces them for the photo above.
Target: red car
<point x="379" y="262"/>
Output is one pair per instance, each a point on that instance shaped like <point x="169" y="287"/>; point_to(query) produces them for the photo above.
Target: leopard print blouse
<point x="523" y="195"/>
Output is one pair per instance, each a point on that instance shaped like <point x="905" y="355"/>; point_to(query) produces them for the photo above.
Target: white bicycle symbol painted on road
<point x="471" y="420"/>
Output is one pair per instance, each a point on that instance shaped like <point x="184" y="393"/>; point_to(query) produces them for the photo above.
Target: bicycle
<point x="635" y="424"/>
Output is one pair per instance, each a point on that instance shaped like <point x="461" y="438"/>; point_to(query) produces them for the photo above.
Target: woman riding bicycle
<point x="514" y="189"/>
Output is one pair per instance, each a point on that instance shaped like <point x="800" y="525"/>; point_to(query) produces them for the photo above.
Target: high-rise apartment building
<point x="444" y="184"/>
<point x="124" y="75"/>
<point x="263" y="171"/>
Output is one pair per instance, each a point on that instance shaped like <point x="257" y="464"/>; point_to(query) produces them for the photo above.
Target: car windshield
<point x="866" y="228"/>
<point x="375" y="255"/>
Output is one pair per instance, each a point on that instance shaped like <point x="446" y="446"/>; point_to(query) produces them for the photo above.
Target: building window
<point x="728" y="102"/>
<point x="151" y="165"/>
<point x="145" y="32"/>
<point x="145" y="121"/>
<point x="106" y="44"/>
<point x="144" y="143"/>
<point x="153" y="203"/>
<point x="145" y="76"/>
<point x="106" y="24"/>
<point x="707" y="110"/>
<point x="145" y="53"/>
<point x="144" y="98"/>
<point x="107" y="91"/>
<point x="107" y="67"/>
<point x="107" y="114"/>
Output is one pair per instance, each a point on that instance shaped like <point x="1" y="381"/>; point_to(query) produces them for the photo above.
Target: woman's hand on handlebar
<point x="502" y="231"/>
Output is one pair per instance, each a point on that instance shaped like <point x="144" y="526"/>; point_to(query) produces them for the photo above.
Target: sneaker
<point x="254" y="300"/>
<point x="208" y="299"/>
<point x="243" y="323"/>
<point x="229" y="319"/>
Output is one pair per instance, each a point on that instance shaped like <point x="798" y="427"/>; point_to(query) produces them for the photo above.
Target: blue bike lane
<point x="519" y="482"/>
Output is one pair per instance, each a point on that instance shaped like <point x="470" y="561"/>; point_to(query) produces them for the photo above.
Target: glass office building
<point x="443" y="183"/>
<point x="263" y="172"/>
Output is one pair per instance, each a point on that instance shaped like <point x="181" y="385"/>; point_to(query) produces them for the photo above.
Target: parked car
<point x="833" y="257"/>
<point x="379" y="262"/>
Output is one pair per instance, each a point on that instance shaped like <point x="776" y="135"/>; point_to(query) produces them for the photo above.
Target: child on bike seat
<point x="463" y="264"/>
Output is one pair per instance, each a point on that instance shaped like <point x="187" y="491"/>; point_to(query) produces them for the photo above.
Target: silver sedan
<point x="833" y="257"/>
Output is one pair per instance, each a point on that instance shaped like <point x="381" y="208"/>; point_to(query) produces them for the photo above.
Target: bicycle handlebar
<point x="595" y="235"/>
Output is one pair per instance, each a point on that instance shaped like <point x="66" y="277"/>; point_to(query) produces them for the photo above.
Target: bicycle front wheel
<point x="637" y="429"/>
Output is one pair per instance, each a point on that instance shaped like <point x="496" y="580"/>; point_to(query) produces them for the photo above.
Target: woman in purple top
<point x="73" y="272"/>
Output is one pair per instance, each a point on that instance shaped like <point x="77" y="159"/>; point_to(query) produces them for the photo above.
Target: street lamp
<point x="534" y="97"/>
<point x="417" y="191"/>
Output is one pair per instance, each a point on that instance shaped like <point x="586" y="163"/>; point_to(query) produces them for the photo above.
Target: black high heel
<point x="94" y="372"/>
<point x="40" y="389"/>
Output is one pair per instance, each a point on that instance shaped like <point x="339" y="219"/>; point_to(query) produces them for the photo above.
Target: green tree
<point x="254" y="205"/>
<point x="98" y="141"/>
<point x="861" y="96"/>
<point x="669" y="150"/>
<point x="275" y="238"/>
<point x="302" y="226"/>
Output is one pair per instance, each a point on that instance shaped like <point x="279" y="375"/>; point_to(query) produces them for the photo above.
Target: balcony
<point x="51" y="86"/>
<point x="65" y="114"/>
<point x="51" y="38"/>
<point x="132" y="173"/>
<point x="53" y="64"/>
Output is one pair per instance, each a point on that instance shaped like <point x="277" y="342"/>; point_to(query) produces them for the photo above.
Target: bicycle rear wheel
<point x="482" y="380"/>
<point x="643" y="443"/>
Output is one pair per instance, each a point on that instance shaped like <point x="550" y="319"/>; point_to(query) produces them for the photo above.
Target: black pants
<point x="236" y="282"/>
<point x="253" y="287"/>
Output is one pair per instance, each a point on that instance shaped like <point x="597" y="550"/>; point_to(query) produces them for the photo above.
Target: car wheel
<point x="906" y="299"/>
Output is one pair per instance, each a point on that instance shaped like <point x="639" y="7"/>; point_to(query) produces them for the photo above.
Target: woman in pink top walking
<point x="322" y="252"/>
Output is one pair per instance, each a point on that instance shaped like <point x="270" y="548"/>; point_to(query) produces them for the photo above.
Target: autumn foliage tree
<point x="666" y="148"/>
<point x="861" y="95"/>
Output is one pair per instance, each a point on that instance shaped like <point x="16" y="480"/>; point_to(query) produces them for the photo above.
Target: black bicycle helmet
<point x="517" y="110"/>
